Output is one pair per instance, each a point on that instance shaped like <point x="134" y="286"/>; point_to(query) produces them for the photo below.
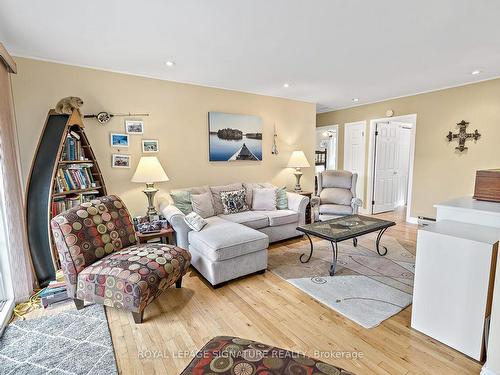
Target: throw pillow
<point x="216" y="198"/>
<point x="281" y="199"/>
<point x="264" y="199"/>
<point x="194" y="221"/>
<point x="182" y="200"/>
<point x="249" y="186"/>
<point x="202" y="204"/>
<point x="233" y="201"/>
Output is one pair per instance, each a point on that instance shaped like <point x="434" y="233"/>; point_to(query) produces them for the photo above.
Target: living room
<point x="229" y="195"/>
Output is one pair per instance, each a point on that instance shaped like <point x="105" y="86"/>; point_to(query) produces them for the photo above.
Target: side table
<point x="307" y="194"/>
<point x="165" y="236"/>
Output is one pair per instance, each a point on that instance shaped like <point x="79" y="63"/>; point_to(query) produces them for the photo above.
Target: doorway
<point x="391" y="156"/>
<point x="326" y="143"/>
<point x="354" y="153"/>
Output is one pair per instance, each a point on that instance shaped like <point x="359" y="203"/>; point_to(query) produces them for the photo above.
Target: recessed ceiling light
<point x="355" y="100"/>
<point x="286" y="85"/>
<point x="169" y="63"/>
<point x="475" y="72"/>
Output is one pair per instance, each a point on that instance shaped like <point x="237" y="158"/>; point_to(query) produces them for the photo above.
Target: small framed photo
<point x="119" y="140"/>
<point x="120" y="161"/>
<point x="150" y="145"/>
<point x="134" y="126"/>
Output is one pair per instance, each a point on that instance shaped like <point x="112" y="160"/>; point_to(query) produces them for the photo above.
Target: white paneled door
<point x="386" y="183"/>
<point x="354" y="153"/>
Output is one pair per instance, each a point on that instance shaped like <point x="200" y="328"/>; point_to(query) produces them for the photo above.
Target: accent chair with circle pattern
<point x="102" y="262"/>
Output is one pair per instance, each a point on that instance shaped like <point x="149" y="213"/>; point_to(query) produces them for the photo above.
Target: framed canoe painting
<point x="233" y="137"/>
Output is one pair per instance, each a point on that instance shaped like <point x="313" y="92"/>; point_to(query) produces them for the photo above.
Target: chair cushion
<point x="252" y="219"/>
<point x="280" y="217"/>
<point x="336" y="196"/>
<point x="338" y="179"/>
<point x="222" y="239"/>
<point x="252" y="358"/>
<point x="131" y="278"/>
<point x="335" y="209"/>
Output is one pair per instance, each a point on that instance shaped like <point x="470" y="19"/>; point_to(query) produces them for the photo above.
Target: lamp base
<point x="298" y="175"/>
<point x="150" y="192"/>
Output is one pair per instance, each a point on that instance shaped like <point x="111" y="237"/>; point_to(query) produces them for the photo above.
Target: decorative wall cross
<point x="462" y="136"/>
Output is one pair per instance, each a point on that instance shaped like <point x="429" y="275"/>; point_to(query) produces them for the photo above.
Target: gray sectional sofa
<point x="234" y="245"/>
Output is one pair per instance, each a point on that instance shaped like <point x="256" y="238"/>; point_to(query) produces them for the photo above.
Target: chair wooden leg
<point x="138" y="317"/>
<point x="79" y="303"/>
<point x="178" y="283"/>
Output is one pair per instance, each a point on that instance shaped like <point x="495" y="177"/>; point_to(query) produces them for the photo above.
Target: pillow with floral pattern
<point x="234" y="201"/>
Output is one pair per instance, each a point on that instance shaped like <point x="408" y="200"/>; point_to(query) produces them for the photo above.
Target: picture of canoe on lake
<point x="234" y="137"/>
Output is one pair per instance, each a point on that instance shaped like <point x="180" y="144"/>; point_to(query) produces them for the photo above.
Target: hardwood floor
<point x="268" y="309"/>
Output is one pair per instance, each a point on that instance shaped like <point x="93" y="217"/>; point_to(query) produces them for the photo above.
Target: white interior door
<point x="386" y="179"/>
<point x="354" y="153"/>
<point x="404" y="146"/>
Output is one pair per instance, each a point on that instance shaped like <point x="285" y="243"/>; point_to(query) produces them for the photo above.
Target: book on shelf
<point x="73" y="150"/>
<point x="61" y="204"/>
<point x="74" y="177"/>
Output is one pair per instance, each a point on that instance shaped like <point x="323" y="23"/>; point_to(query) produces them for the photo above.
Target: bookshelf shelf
<point x="56" y="183"/>
<point x="79" y="191"/>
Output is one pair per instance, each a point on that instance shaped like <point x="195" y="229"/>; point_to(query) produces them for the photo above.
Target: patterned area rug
<point x="72" y="342"/>
<point x="367" y="288"/>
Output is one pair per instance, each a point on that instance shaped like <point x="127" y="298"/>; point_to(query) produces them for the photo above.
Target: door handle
<point x="394" y="172"/>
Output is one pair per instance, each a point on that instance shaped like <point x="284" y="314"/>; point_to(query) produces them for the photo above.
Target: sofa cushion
<point x="222" y="239"/>
<point x="280" y="217"/>
<point x="202" y="204"/>
<point x="249" y="186"/>
<point x="264" y="199"/>
<point x="216" y="199"/>
<point x="182" y="197"/>
<point x="337" y="179"/>
<point x="336" y="196"/>
<point x="281" y="198"/>
<point x="335" y="209"/>
<point x="252" y="219"/>
<point x="233" y="201"/>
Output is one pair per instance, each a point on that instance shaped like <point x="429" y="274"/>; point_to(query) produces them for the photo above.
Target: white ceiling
<point x="329" y="51"/>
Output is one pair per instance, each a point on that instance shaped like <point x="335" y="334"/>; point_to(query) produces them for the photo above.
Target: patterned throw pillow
<point x="233" y="201"/>
<point x="281" y="198"/>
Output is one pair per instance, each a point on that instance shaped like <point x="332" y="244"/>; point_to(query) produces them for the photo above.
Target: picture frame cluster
<point x="122" y="140"/>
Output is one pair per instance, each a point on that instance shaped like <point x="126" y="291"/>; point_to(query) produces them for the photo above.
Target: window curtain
<point x="16" y="252"/>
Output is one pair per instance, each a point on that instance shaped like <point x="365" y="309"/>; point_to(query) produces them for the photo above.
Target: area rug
<point x="366" y="288"/>
<point x="71" y="342"/>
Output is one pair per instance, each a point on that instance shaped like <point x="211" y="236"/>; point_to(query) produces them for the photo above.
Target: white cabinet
<point x="454" y="283"/>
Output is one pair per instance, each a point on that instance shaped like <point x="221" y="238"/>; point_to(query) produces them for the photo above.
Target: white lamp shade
<point x="298" y="160"/>
<point x="149" y="170"/>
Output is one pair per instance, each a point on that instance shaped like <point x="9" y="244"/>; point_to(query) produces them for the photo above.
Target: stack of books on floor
<point x="54" y="293"/>
<point x="73" y="148"/>
<point x="74" y="177"/>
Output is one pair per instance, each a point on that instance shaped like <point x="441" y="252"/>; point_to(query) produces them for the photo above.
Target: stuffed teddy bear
<point x="66" y="105"/>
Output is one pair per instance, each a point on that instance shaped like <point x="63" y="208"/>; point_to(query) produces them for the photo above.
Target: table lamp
<point x="298" y="160"/>
<point x="149" y="171"/>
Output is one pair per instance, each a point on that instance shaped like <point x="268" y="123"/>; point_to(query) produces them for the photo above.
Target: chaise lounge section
<point x="234" y="245"/>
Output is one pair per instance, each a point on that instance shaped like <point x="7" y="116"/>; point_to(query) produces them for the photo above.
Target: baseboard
<point x="412" y="220"/>
<point x="485" y="371"/>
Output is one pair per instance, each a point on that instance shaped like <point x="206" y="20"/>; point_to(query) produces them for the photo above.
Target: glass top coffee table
<point x="344" y="228"/>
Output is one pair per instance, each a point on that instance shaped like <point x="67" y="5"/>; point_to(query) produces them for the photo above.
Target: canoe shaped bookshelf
<point x="64" y="173"/>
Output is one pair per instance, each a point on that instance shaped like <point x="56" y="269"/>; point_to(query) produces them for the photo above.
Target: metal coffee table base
<point x="335" y="250"/>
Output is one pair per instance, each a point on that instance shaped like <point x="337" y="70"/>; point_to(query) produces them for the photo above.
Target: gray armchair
<point x="336" y="195"/>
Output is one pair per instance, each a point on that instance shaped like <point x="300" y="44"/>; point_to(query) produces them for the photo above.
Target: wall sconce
<point x="274" y="148"/>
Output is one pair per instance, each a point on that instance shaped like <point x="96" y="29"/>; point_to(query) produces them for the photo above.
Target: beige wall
<point x="178" y="118"/>
<point x="440" y="173"/>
